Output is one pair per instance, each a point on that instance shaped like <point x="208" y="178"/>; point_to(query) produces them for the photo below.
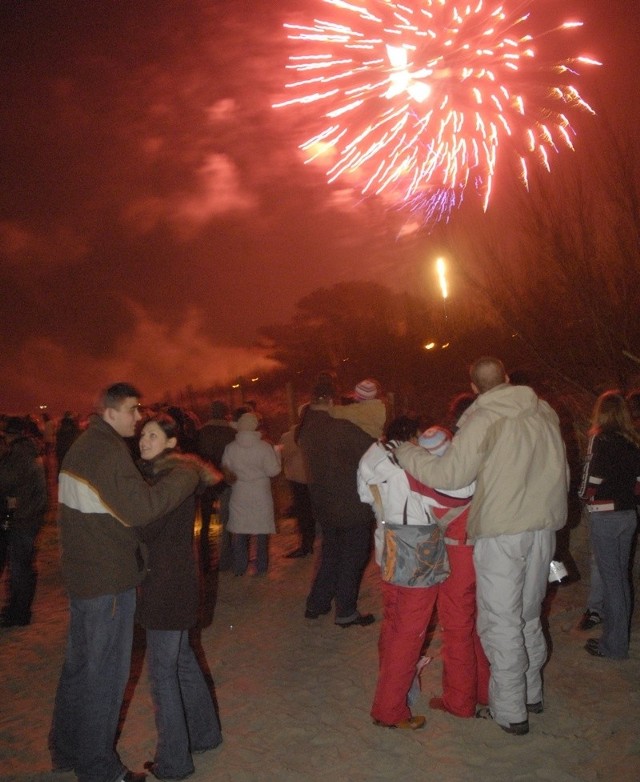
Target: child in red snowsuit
<point x="465" y="669"/>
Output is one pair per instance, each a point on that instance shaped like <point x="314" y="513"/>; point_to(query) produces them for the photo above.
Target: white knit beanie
<point x="247" y="422"/>
<point x="435" y="440"/>
<point x="367" y="389"/>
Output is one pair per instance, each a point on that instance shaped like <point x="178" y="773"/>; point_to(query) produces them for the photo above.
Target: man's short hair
<point x="115" y="395"/>
<point x="487" y="373"/>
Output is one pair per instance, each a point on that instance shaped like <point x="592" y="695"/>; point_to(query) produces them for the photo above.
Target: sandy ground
<point x="294" y="694"/>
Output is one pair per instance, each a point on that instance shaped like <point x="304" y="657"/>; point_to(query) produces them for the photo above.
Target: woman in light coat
<point x="250" y="463"/>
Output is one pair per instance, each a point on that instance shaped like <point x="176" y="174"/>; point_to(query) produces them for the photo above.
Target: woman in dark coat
<point x="185" y="716"/>
<point x="610" y="490"/>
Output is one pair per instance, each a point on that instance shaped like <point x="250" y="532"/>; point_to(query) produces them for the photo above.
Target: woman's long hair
<point x="611" y="414"/>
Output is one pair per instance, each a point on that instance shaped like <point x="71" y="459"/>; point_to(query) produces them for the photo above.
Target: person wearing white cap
<point x="465" y="669"/>
<point x="252" y="462"/>
<point x="406" y="609"/>
<point x="510" y="442"/>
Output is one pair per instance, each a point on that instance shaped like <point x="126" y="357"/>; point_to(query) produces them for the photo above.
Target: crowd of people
<point x="461" y="518"/>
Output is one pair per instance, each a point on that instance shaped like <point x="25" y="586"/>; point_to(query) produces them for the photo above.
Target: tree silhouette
<point x="565" y="276"/>
<point x="355" y="329"/>
<point x="363" y="329"/>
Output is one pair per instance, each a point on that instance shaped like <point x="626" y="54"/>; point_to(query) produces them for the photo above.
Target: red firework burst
<point x="417" y="97"/>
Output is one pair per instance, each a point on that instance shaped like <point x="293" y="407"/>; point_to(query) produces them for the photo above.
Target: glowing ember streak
<point x="419" y="94"/>
<point x="442" y="278"/>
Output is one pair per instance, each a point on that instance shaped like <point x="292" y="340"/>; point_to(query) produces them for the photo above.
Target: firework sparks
<point x="417" y="96"/>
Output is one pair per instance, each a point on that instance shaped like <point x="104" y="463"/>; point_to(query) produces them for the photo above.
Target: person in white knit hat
<point x="368" y="412"/>
<point x="252" y="462"/>
<point x="465" y="669"/>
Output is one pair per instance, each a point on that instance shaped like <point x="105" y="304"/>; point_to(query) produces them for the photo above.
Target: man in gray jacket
<point x="509" y="442"/>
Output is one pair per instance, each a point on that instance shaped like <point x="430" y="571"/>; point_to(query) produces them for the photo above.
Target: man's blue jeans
<point x="186" y="720"/>
<point x="91" y="687"/>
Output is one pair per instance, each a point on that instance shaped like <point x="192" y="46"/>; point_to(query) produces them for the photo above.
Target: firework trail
<point x="416" y="98"/>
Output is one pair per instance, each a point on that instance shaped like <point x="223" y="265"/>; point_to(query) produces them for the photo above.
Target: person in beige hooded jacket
<point x="509" y="441"/>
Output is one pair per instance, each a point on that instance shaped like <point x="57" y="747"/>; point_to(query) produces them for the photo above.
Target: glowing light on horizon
<point x="415" y="98"/>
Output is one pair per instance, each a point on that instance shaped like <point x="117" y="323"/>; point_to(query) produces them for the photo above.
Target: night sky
<point x="154" y="208"/>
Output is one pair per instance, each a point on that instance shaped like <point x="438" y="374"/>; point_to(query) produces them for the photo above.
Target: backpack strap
<point x="377" y="499"/>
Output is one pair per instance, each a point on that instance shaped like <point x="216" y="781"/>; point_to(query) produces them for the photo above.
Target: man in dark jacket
<point x="102" y="498"/>
<point x="213" y="437"/>
<point x="68" y="431"/>
<point x="332" y="449"/>
<point x="23" y="498"/>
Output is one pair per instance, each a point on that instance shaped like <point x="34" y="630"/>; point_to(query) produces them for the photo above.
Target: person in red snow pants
<point x="407" y="611"/>
<point x="465" y="668"/>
